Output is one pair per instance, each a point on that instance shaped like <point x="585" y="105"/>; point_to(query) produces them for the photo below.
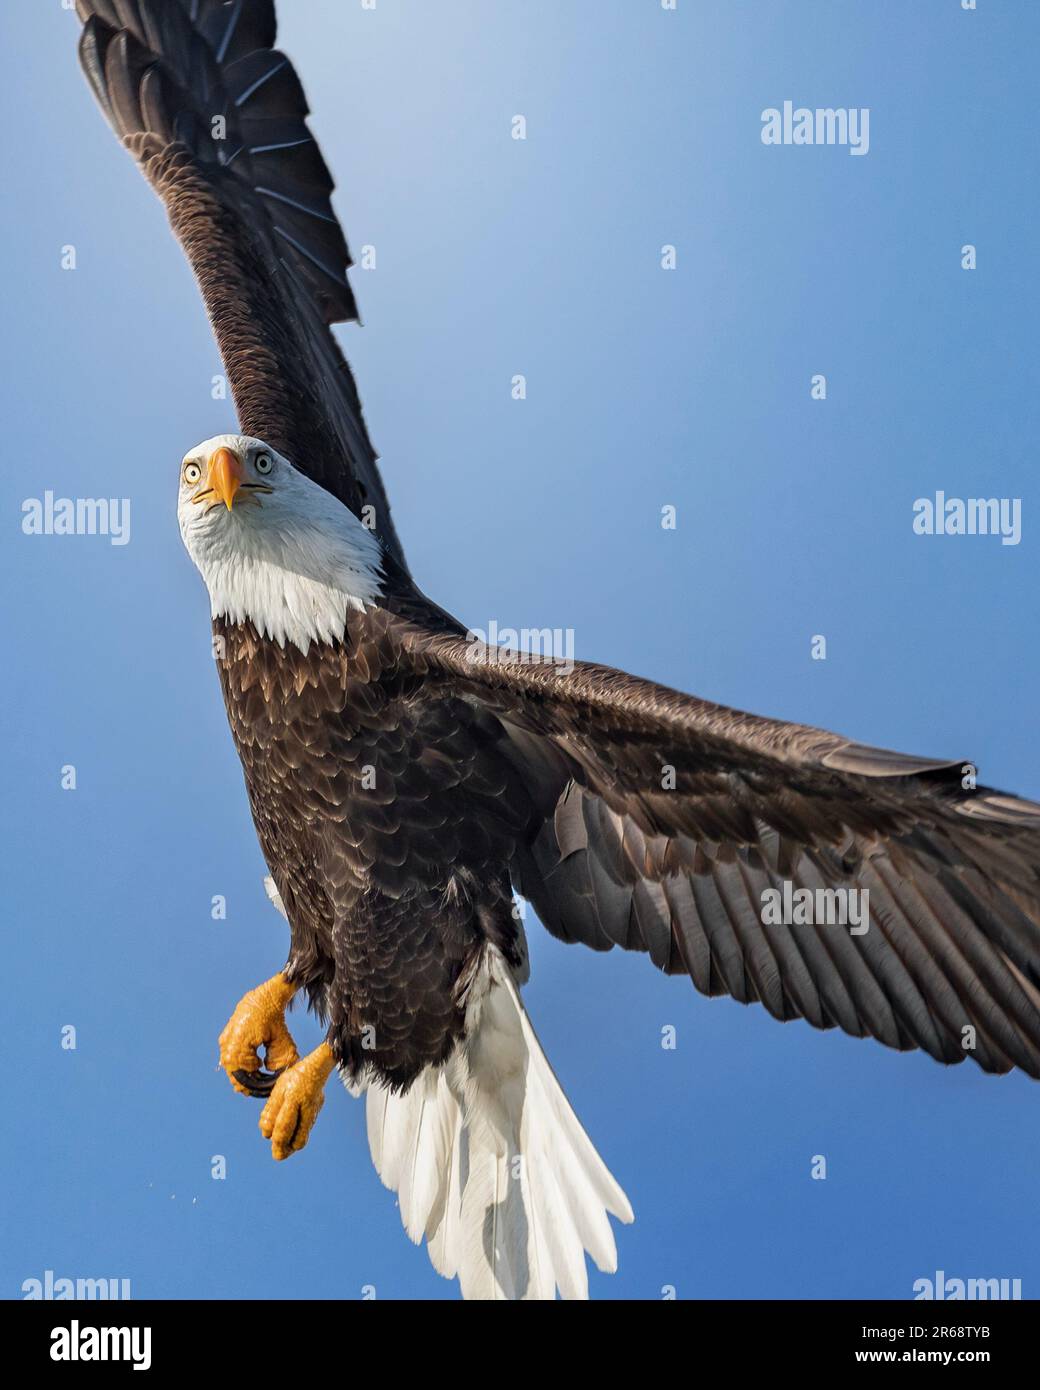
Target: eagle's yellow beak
<point x="224" y="475"/>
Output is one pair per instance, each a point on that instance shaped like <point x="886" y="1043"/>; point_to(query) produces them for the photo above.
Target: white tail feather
<point x="490" y="1162"/>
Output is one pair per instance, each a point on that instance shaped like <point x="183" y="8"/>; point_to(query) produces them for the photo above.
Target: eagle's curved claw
<point x="298" y="1094"/>
<point x="259" y="1022"/>
<point x="257" y="1083"/>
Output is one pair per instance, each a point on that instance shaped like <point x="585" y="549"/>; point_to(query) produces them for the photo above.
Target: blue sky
<point x="645" y="388"/>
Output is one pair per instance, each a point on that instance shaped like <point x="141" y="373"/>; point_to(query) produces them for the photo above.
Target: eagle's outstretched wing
<point x="662" y="820"/>
<point x="216" y="117"/>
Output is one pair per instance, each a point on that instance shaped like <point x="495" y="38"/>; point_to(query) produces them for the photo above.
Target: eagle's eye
<point x="192" y="472"/>
<point x="263" y="463"/>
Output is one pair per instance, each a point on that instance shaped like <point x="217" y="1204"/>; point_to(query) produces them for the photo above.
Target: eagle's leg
<point x="259" y="1021"/>
<point x="298" y="1095"/>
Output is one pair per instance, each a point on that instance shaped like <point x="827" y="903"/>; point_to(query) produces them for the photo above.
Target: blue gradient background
<point x="645" y="388"/>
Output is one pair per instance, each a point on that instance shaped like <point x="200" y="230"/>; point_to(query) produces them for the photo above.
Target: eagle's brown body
<point x="389" y="816"/>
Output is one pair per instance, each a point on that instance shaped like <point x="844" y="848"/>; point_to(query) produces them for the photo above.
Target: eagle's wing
<point x="663" y="819"/>
<point x="215" y="116"/>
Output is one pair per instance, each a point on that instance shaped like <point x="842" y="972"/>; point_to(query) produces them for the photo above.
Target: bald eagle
<point x="407" y="781"/>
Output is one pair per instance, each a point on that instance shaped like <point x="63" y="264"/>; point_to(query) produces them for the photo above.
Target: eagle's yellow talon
<point x="258" y="1022"/>
<point x="298" y="1095"/>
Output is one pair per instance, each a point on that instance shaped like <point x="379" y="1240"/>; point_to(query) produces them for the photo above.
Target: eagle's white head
<point x="273" y="547"/>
